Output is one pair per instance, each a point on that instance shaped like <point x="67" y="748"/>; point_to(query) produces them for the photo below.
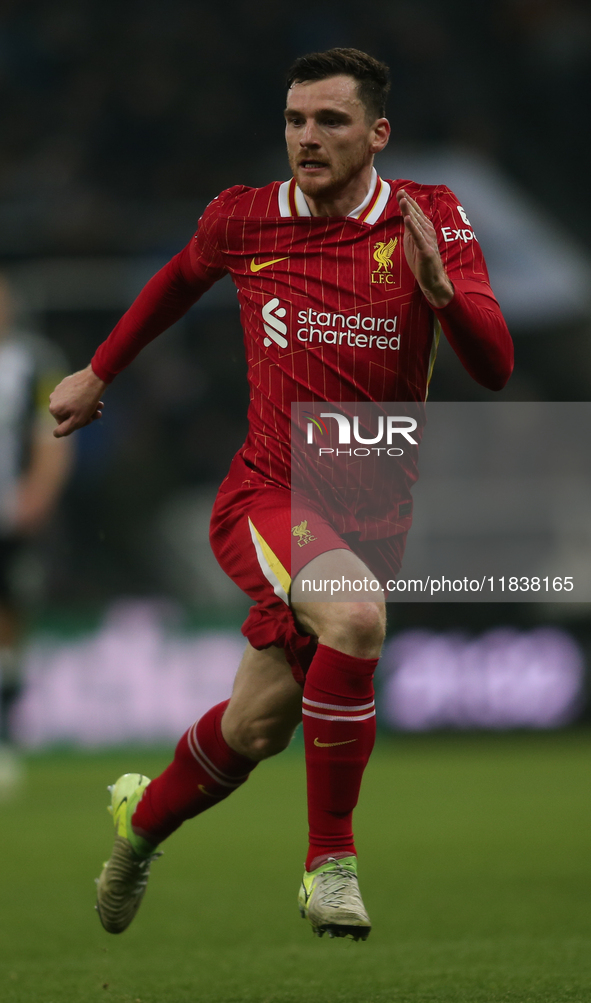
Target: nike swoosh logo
<point x="330" y="745"/>
<point x="265" y="264"/>
<point x="202" y="789"/>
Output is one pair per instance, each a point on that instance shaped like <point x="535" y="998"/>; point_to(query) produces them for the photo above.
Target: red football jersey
<point x="330" y="308"/>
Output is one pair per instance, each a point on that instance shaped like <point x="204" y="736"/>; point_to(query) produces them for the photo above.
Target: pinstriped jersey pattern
<point x="355" y="331"/>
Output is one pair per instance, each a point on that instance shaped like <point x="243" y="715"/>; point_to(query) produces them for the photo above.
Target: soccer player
<point x="33" y="472"/>
<point x="342" y="279"/>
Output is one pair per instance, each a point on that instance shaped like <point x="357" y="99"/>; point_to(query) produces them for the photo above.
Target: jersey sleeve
<point x="460" y="251"/>
<point x="205" y="258"/>
<point x="167" y="296"/>
<point x="472" y="321"/>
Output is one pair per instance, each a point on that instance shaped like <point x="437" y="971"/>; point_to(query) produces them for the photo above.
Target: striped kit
<point x="311" y="708"/>
<point x="216" y="774"/>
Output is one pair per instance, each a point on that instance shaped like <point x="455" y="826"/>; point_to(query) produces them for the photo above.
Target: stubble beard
<point x="331" y="187"/>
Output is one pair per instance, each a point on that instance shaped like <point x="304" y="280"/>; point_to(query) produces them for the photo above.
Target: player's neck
<point x="345" y="201"/>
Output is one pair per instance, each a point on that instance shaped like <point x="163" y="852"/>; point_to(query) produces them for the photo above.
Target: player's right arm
<point x="449" y="267"/>
<point x="77" y="400"/>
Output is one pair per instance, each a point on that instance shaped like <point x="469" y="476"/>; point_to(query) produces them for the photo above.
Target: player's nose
<point x="308" y="135"/>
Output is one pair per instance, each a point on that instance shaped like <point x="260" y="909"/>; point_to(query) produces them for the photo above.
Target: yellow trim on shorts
<point x="270" y="564"/>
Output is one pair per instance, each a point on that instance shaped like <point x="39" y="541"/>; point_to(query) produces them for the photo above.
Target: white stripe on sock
<point x="337" y="706"/>
<point x="329" y="717"/>
<point x="207" y="765"/>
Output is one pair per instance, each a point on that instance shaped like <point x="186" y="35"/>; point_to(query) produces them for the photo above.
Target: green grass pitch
<point x="475" y="865"/>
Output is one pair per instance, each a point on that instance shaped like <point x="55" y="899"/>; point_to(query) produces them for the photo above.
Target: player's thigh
<point x="253" y="539"/>
<point x="265" y="706"/>
<point x="349" y="613"/>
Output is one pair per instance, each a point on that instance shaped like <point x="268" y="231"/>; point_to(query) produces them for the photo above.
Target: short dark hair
<point x="373" y="77"/>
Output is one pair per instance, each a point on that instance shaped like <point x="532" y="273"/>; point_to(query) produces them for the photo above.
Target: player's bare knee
<point x="258" y="739"/>
<point x="356" y="628"/>
<point x="264" y="746"/>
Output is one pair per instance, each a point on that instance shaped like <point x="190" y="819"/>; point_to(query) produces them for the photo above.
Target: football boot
<point x="122" y="884"/>
<point x="329" y="898"/>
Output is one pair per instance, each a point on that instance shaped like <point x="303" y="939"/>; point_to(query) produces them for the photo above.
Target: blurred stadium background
<point x="120" y="121"/>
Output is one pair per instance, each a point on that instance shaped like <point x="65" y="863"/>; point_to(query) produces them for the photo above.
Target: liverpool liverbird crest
<point x="303" y="534"/>
<point x="383" y="253"/>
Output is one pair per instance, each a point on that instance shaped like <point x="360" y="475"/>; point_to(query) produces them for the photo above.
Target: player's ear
<point x="381" y="134"/>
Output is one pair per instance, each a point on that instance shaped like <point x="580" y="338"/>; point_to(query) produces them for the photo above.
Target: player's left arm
<point x="457" y="288"/>
<point x="48" y="460"/>
<point x="43" y="481"/>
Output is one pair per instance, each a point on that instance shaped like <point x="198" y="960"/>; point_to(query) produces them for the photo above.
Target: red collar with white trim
<point x="293" y="203"/>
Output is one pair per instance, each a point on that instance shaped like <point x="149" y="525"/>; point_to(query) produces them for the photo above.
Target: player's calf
<point x="339" y="733"/>
<point x="265" y="707"/>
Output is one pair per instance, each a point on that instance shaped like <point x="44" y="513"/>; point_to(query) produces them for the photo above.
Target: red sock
<point x="339" y="733"/>
<point x="204" y="771"/>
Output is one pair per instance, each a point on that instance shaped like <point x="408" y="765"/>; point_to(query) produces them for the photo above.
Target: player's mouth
<point x="310" y="166"/>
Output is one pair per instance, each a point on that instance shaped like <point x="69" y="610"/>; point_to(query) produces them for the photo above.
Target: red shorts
<point x="251" y="537"/>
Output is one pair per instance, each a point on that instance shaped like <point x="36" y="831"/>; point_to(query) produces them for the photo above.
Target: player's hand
<point x="76" y="401"/>
<point x="422" y="252"/>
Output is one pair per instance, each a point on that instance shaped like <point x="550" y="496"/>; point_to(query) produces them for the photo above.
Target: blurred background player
<point x="34" y="467"/>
